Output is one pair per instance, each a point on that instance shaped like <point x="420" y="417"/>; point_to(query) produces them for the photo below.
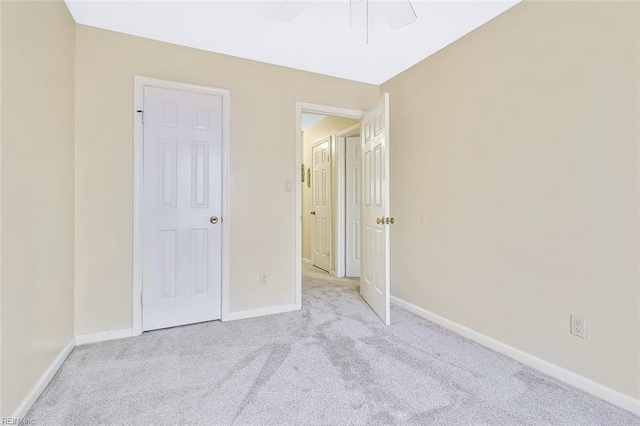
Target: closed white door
<point x="353" y="201"/>
<point x="182" y="206"/>
<point x="375" y="277"/>
<point x="321" y="205"/>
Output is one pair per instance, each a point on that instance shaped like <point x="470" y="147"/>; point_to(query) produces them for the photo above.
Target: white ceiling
<point x="309" y="119"/>
<point x="318" y="40"/>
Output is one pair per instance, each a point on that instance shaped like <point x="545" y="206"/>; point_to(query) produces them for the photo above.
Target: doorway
<point x="348" y="146"/>
<point x="371" y="247"/>
<point x="323" y="190"/>
<point x="334" y="191"/>
<point x="353" y="197"/>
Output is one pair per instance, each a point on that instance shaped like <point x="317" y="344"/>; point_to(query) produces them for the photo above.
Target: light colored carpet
<point x="333" y="363"/>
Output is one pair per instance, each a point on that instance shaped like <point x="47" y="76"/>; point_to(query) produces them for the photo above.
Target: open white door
<point x="321" y="205"/>
<point x="374" y="274"/>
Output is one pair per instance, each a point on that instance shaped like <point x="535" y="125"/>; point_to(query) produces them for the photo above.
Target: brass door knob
<point x="313" y="213"/>
<point x="214" y="219"/>
<point x="391" y="220"/>
<point x="379" y="220"/>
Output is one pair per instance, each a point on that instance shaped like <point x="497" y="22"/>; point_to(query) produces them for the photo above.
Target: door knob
<point x="214" y="219"/>
<point x="313" y="213"/>
<point x="379" y="220"/>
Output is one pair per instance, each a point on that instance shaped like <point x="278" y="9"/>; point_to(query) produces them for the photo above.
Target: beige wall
<point x="519" y="154"/>
<point x="324" y="128"/>
<point x="37" y="192"/>
<point x="262" y="214"/>
<point x="518" y="147"/>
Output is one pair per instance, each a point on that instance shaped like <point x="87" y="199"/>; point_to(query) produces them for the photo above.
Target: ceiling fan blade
<point x="288" y="10"/>
<point x="398" y="13"/>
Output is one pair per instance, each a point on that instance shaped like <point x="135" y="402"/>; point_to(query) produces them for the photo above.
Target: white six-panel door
<point x="353" y="201"/>
<point x="321" y="205"/>
<point x="374" y="274"/>
<point x="182" y="198"/>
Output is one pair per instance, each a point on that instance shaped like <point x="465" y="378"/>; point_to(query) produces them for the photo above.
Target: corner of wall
<point x="73" y="162"/>
<point x="29" y="357"/>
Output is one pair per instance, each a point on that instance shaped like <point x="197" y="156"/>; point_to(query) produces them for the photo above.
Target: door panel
<point x="167" y="264"/>
<point x="321" y="205"/>
<point x="375" y="281"/>
<point x="182" y="191"/>
<point x="199" y="261"/>
<point x="353" y="197"/>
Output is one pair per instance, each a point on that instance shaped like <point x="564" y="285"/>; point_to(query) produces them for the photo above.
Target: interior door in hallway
<point x="375" y="277"/>
<point x="182" y="206"/>
<point x="353" y="201"/>
<point x="321" y="205"/>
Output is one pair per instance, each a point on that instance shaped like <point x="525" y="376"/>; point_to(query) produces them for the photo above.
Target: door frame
<point x="331" y="260"/>
<point x="341" y="203"/>
<point x="313" y="109"/>
<point x="139" y="82"/>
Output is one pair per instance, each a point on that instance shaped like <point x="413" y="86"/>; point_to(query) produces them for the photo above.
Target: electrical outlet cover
<point x="578" y="326"/>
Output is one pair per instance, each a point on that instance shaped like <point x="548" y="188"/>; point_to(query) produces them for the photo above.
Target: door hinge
<point x="141" y="112"/>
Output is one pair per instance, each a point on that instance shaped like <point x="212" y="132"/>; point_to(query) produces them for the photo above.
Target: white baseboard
<point x="262" y="312"/>
<point x="83" y="339"/>
<point x="603" y="392"/>
<point x="41" y="384"/>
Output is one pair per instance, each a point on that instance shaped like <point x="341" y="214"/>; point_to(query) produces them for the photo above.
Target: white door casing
<point x="321" y="204"/>
<point x="182" y="248"/>
<point x="300" y="108"/>
<point x="375" y="274"/>
<point x="353" y="201"/>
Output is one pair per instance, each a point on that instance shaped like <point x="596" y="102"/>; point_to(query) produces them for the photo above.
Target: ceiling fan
<point x="398" y="13"/>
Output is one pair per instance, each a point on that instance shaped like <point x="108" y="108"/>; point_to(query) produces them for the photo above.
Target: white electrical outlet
<point x="263" y="278"/>
<point x="578" y="326"/>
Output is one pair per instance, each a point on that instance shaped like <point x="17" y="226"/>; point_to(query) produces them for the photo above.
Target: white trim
<point x="298" y="207"/>
<point x="387" y="203"/>
<point x="84" y="339"/>
<point x="340" y="202"/>
<point x="587" y="385"/>
<point x="138" y="139"/>
<point x="44" y="380"/>
<point x="226" y="217"/>
<point x="263" y="311"/>
<point x="318" y="109"/>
